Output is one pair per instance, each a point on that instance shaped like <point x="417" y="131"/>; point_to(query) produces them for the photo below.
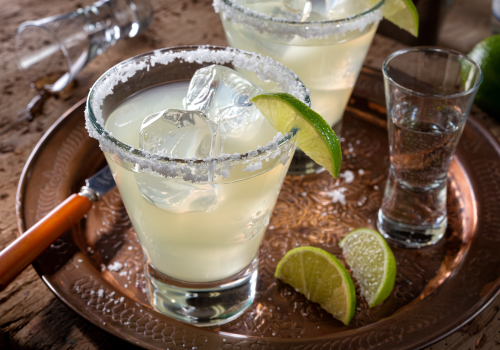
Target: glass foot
<point x="202" y="304"/>
<point x="410" y="236"/>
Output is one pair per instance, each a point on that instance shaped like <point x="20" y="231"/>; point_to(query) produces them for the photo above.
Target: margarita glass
<point x="201" y="259"/>
<point x="326" y="52"/>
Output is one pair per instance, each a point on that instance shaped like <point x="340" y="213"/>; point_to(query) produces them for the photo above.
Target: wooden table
<point x="31" y="317"/>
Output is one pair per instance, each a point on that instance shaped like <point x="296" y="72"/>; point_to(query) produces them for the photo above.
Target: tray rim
<point x="489" y="297"/>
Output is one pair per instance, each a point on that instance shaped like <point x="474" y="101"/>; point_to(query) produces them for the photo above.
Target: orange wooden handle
<point x="26" y="248"/>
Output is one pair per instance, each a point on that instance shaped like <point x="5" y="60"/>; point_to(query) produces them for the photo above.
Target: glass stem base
<point x="202" y="304"/>
<point x="410" y="236"/>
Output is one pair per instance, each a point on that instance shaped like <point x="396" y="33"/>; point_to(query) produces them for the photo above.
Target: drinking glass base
<point x="410" y="236"/>
<point x="202" y="304"/>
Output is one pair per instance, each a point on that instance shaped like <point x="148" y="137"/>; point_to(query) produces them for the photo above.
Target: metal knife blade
<point x="98" y="184"/>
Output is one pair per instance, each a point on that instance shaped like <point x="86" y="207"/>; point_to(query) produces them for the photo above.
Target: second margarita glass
<point x="326" y="54"/>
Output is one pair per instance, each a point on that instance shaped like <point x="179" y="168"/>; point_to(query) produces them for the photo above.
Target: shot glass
<point x="52" y="51"/>
<point x="429" y="92"/>
<point x="200" y="222"/>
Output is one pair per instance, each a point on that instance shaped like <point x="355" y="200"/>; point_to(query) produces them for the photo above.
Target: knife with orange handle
<point x="26" y="248"/>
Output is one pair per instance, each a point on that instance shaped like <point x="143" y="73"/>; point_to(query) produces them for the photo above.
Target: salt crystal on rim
<point x="254" y="166"/>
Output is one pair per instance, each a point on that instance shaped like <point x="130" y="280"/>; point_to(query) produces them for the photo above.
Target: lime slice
<point x="402" y="13"/>
<point x="321" y="278"/>
<point x="372" y="264"/>
<point x="316" y="137"/>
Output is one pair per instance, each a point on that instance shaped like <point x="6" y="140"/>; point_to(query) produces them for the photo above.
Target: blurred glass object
<point x="431" y="16"/>
<point x="53" y="50"/>
<point x="495" y="17"/>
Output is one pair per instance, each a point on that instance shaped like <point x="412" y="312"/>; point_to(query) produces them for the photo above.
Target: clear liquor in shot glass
<point x="199" y="221"/>
<point x="429" y="92"/>
<point x="53" y="50"/>
<point x="324" y="47"/>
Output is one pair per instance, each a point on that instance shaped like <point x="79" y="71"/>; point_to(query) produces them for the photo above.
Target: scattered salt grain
<point x="100" y="293"/>
<point x="337" y="195"/>
<point x="122" y="299"/>
<point x="361" y="172"/>
<point x="116" y="266"/>
<point x="348" y="176"/>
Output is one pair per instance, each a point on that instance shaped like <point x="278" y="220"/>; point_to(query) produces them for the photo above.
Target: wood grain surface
<point x="30" y="316"/>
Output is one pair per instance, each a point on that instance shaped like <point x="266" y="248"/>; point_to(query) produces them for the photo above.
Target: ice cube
<point x="177" y="195"/>
<point x="180" y="134"/>
<point x="224" y="96"/>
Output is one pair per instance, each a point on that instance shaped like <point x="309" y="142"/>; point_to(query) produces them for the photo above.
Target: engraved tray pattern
<point x="437" y="288"/>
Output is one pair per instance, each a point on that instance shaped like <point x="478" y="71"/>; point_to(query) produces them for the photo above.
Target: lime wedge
<point x="372" y="264"/>
<point x="321" y="278"/>
<point x="402" y="13"/>
<point x="316" y="137"/>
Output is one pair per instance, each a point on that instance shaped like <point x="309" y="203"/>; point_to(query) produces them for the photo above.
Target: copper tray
<point x="438" y="289"/>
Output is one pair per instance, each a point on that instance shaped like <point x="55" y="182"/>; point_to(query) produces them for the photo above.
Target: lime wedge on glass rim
<point x="372" y="263"/>
<point x="321" y="278"/>
<point x="402" y="13"/>
<point x="316" y="137"/>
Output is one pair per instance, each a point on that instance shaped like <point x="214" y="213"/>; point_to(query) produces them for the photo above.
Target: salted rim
<point x="264" y="67"/>
<point x="306" y="30"/>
